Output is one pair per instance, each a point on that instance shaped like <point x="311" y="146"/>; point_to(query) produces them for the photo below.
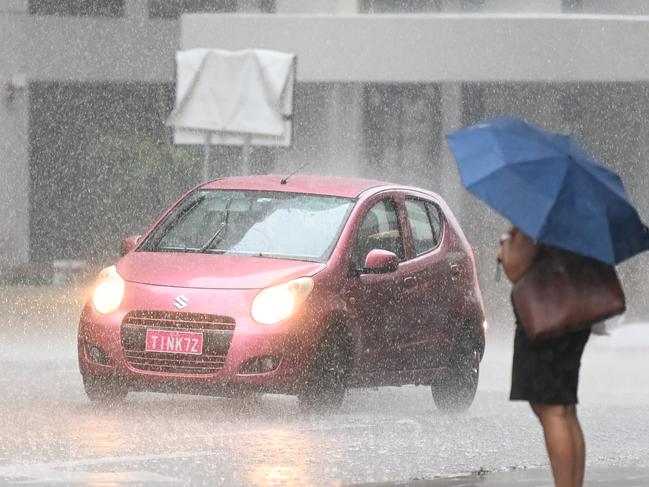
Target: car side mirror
<point x="129" y="244"/>
<point x="380" y="261"/>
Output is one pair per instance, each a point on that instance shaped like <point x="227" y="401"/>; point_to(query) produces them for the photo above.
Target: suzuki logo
<point x="181" y="302"/>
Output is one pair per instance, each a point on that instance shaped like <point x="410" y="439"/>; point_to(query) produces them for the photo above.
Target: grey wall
<point x="68" y="49"/>
<point x="438" y="47"/>
<point x="100" y="49"/>
<point x="14" y="147"/>
<point x="328" y="130"/>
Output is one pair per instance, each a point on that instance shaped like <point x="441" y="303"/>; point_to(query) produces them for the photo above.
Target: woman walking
<point x="545" y="373"/>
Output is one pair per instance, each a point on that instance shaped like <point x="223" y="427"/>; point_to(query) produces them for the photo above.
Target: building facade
<point x="379" y="84"/>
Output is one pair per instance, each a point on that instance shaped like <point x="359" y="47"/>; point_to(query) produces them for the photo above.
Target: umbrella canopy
<point x="550" y="188"/>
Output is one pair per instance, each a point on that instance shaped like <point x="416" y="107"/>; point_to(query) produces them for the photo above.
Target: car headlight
<point x="109" y="291"/>
<point x="276" y="303"/>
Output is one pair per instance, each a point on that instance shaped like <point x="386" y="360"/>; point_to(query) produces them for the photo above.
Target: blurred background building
<point x="85" y="87"/>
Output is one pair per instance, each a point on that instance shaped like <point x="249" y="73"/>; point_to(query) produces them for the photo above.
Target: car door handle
<point x="410" y="281"/>
<point x="456" y="270"/>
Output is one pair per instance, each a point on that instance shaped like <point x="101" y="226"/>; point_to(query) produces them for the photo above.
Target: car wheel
<point x="457" y="390"/>
<point x="325" y="389"/>
<point x="103" y="390"/>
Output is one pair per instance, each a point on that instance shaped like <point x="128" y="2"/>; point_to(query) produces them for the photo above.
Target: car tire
<point x="103" y="390"/>
<point x="456" y="391"/>
<point x="327" y="383"/>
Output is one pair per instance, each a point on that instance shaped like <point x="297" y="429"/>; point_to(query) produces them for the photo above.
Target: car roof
<point x="348" y="187"/>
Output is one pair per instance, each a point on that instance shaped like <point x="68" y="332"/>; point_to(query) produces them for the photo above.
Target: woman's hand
<point x="516" y="254"/>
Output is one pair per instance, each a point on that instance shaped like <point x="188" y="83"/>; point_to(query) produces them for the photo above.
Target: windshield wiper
<point x="224" y="224"/>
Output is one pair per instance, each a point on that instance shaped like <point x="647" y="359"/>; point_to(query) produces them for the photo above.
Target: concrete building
<point x="379" y="84"/>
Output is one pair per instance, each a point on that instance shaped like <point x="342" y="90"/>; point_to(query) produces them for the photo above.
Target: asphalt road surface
<point x="51" y="434"/>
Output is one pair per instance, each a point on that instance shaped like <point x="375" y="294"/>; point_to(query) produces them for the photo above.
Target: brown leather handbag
<point x="563" y="292"/>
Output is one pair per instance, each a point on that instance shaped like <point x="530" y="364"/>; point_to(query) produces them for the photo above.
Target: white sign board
<point x="224" y="97"/>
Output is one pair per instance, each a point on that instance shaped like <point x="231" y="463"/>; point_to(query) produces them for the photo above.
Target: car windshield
<point x="262" y="223"/>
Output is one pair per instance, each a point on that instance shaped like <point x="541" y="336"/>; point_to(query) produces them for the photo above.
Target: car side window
<point x="425" y="225"/>
<point x="422" y="231"/>
<point x="379" y="230"/>
<point x="435" y="215"/>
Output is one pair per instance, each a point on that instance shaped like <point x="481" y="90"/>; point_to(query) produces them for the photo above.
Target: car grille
<point x="217" y="336"/>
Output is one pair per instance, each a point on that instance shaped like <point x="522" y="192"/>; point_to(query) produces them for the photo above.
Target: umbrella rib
<point x="623" y="199"/>
<point x="585" y="160"/>
<point x="556" y="199"/>
<point x="552" y="208"/>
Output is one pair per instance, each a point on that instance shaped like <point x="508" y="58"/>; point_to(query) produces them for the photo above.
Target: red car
<point x="308" y="285"/>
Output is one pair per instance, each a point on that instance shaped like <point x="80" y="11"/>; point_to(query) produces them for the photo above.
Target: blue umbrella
<point x="550" y="188"/>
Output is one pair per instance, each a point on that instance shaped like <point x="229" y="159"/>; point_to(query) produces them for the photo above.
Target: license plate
<point x="174" y="342"/>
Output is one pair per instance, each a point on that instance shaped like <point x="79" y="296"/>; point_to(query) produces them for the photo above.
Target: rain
<point x="89" y="159"/>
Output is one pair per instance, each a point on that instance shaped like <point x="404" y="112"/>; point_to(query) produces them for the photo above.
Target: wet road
<point x="50" y="433"/>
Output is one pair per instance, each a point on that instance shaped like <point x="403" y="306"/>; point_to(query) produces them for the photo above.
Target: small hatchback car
<point x="308" y="285"/>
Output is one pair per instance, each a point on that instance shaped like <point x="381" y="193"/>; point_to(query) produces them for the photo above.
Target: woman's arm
<point x="516" y="254"/>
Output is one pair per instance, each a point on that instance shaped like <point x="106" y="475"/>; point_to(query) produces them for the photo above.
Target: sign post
<point x="240" y="98"/>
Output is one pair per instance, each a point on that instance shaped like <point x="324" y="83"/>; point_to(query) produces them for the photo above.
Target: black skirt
<point x="547" y="371"/>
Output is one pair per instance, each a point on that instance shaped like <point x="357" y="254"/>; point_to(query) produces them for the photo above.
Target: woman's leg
<point x="578" y="435"/>
<point x="564" y="441"/>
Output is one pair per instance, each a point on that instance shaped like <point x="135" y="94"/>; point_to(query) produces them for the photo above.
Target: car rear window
<point x="261" y="223"/>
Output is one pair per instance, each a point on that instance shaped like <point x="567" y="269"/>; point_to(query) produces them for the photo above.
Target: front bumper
<point x="240" y="351"/>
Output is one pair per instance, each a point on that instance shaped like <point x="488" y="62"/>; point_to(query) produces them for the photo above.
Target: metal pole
<point x="245" y="154"/>
<point x="206" y="158"/>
